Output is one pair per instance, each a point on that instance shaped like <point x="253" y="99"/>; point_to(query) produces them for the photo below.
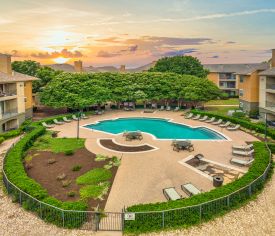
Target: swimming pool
<point x="160" y="128"/>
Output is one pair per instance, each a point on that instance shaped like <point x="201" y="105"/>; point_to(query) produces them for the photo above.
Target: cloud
<point x="179" y="52"/>
<point x="64" y="53"/>
<point x="194" y="18"/>
<point x="215" y="57"/>
<point x="129" y="50"/>
<point x="230" y="42"/>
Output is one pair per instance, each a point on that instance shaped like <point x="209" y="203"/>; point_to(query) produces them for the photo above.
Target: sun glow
<point x="61" y="60"/>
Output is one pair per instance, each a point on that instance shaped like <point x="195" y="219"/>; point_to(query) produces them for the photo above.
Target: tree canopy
<point x="33" y="68"/>
<point x="75" y="90"/>
<point x="185" y="65"/>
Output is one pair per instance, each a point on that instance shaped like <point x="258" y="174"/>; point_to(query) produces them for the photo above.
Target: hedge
<point x="151" y="216"/>
<point x="15" y="172"/>
<point x="258" y="127"/>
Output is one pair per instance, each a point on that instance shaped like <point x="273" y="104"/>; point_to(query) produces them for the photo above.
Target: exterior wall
<point x="214" y="77"/>
<point x="5" y="64"/>
<point x="262" y="91"/>
<point x="248" y="106"/>
<point x="12" y="123"/>
<point x="20" y="97"/>
<point x="28" y="99"/>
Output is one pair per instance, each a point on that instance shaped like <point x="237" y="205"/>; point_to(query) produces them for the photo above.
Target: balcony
<point x="227" y="77"/>
<point x="7" y="95"/>
<point x="9" y="113"/>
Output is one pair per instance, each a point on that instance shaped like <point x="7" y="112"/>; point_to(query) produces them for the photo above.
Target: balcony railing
<point x="270" y="104"/>
<point x="270" y="86"/>
<point x="9" y="113"/>
<point x="8" y="93"/>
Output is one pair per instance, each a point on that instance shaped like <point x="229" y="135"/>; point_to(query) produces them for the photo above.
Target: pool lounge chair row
<point x="63" y="121"/>
<point x="242" y="151"/>
<point x="212" y="121"/>
<point x="168" y="108"/>
<point x="189" y="189"/>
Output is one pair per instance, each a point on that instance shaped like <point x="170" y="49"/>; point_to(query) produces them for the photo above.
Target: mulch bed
<point x="46" y="174"/>
<point x="108" y="143"/>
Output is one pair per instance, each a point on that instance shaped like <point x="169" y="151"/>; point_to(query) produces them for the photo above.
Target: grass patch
<point x="76" y="168"/>
<point x="220" y="110"/>
<point x="100" y="157"/>
<point x="94" y="176"/>
<point x="230" y="101"/>
<point x="58" y="145"/>
<point x="94" y="191"/>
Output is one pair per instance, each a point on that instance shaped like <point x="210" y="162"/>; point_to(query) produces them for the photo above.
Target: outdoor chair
<point x="74" y="117"/>
<point x="47" y="126"/>
<point x="171" y="194"/>
<point x="183" y="145"/>
<point x="211" y="120"/>
<point x="204" y="118"/>
<point x="161" y="108"/>
<point x="190" y="189"/>
<point x="217" y="122"/>
<point x="189" y="116"/>
<point x="196" y="117"/>
<point x="225" y="125"/>
<point x="83" y="116"/>
<point x="243" y="147"/>
<point x="168" y="108"/>
<point x="241" y="162"/>
<point x="58" y="122"/>
<point x="133" y="135"/>
<point x="66" y="119"/>
<point x="243" y="153"/>
<point x="236" y="127"/>
<point x="177" y="109"/>
<point x="97" y="112"/>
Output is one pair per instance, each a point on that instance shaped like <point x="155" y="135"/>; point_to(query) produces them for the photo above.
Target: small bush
<point x="76" y="168"/>
<point x="2" y="140"/>
<point x="94" y="176"/>
<point x="69" y="152"/>
<point x="100" y="157"/>
<point x="71" y="194"/>
<point x="61" y="177"/>
<point x="66" y="183"/>
<point x="51" y="161"/>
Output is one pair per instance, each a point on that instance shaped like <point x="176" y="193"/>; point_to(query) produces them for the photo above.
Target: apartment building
<point x="225" y="76"/>
<point x="16" y="103"/>
<point x="267" y="91"/>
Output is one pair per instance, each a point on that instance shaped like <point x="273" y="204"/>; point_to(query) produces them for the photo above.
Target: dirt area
<point x="108" y="143"/>
<point x="46" y="174"/>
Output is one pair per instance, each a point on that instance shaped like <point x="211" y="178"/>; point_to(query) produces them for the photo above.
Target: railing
<point x="270" y="86"/>
<point x="270" y="104"/>
<point x="115" y="221"/>
<point x="9" y="113"/>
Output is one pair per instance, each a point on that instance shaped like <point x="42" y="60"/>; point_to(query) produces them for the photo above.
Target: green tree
<point x="26" y="67"/>
<point x="185" y="65"/>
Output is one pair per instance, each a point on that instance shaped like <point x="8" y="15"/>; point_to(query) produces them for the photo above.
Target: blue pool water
<point x="160" y="128"/>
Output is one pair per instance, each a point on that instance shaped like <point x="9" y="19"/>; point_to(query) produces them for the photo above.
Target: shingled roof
<point x="269" y="72"/>
<point x="231" y="68"/>
<point x="15" y="77"/>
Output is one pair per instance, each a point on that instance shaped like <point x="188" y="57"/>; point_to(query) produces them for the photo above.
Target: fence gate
<point x="110" y="221"/>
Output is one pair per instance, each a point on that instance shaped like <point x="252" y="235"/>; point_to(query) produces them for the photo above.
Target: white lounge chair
<point x="225" y="125"/>
<point x="168" y="108"/>
<point x="161" y="108"/>
<point x="243" y="147"/>
<point x="236" y="127"/>
<point x="58" y="122"/>
<point x="217" y="122"/>
<point x="243" y="153"/>
<point x="177" y="109"/>
<point x="241" y="162"/>
<point x="83" y="116"/>
<point x="189" y="116"/>
<point x="204" y="118"/>
<point x="74" y="117"/>
<point x="47" y="126"/>
<point x="171" y="194"/>
<point x="196" y="117"/>
<point x="211" y="120"/>
<point x="190" y="189"/>
<point x="67" y="120"/>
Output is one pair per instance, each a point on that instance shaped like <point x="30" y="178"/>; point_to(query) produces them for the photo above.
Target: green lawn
<point x="230" y="101"/>
<point x="220" y="110"/>
<point x="94" y="176"/>
<point x="57" y="145"/>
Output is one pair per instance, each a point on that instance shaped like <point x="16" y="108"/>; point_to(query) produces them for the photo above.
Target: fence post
<point x="63" y="219"/>
<point x="40" y="208"/>
<point x="228" y="201"/>
<point x="163" y="220"/>
<point x="122" y="221"/>
<point x="20" y="197"/>
<point x="200" y="213"/>
<point x="249" y="190"/>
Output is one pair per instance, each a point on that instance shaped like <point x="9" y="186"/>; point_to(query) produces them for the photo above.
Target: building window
<point x="241" y="92"/>
<point x="242" y="78"/>
<point x="25" y="99"/>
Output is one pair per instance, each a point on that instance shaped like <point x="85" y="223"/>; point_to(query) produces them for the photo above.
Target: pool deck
<point x="142" y="176"/>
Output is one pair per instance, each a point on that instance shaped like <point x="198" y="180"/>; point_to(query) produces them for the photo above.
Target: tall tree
<point x="185" y="65"/>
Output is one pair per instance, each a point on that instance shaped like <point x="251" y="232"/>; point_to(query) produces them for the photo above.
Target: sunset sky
<point x="134" y="33"/>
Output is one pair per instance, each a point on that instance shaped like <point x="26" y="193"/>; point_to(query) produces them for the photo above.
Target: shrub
<point x="11" y="134"/>
<point x="76" y="168"/>
<point x="94" y="191"/>
<point x="2" y="140"/>
<point x="69" y="152"/>
<point x="94" y="176"/>
<point x="71" y="194"/>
